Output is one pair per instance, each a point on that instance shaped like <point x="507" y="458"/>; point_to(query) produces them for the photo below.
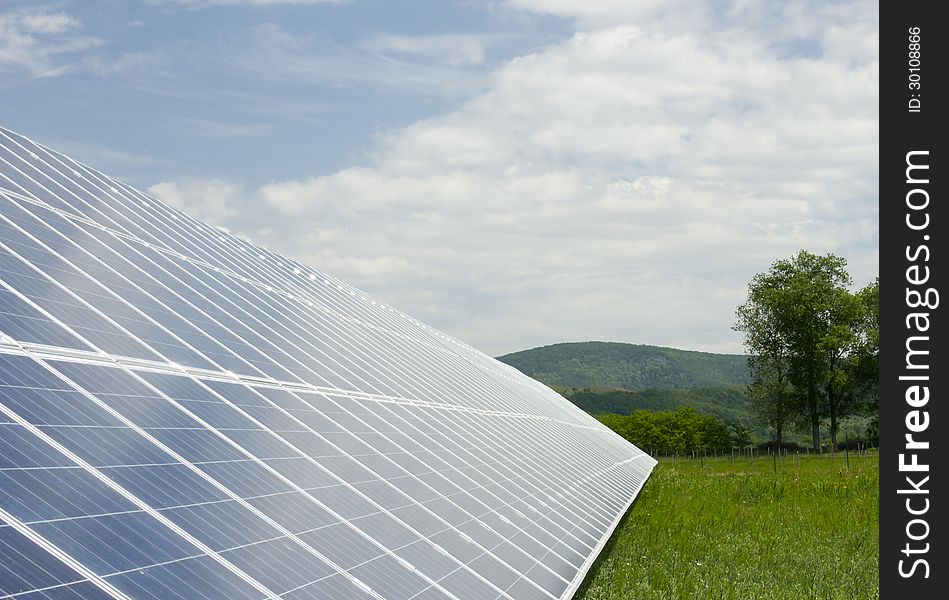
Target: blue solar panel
<point x="186" y="415"/>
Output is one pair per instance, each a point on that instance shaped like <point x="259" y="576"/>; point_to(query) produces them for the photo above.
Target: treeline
<point x="727" y="403"/>
<point x="676" y="431"/>
<point x="814" y="346"/>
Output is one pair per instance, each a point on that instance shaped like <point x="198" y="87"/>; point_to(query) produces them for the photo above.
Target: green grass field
<point x="735" y="529"/>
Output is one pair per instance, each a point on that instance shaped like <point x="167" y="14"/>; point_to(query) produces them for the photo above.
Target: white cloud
<point x="592" y="13"/>
<point x="46" y="23"/>
<point x="624" y="184"/>
<point x="451" y="49"/>
<point x="269" y="52"/>
<point x="152" y="63"/>
<point x="210" y="200"/>
<point x="37" y="42"/>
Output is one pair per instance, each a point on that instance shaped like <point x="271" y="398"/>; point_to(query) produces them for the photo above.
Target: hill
<point x="727" y="402"/>
<point x="610" y="377"/>
<point x="628" y="366"/>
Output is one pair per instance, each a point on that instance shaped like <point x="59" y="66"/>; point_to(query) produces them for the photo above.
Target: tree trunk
<point x="777" y="437"/>
<point x="832" y="409"/>
<point x="815" y="433"/>
<point x="833" y="429"/>
<point x="812" y="405"/>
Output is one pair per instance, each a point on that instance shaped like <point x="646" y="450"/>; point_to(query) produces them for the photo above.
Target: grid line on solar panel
<point x="219" y="428"/>
<point x="129" y="237"/>
<point x="141" y="294"/>
<point x="140" y="506"/>
<point x="591" y="558"/>
<point x="486" y="463"/>
<point x="44" y="351"/>
<point x="442" y="336"/>
<point x="290" y="445"/>
<point x="181" y="460"/>
<point x="24" y="579"/>
<point x="219" y="431"/>
<point x="130" y="497"/>
<point x="310" y="388"/>
<point x="411" y="475"/>
<point x="119" y="466"/>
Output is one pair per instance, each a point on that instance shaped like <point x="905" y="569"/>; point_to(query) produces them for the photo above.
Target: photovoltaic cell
<point x="186" y="415"/>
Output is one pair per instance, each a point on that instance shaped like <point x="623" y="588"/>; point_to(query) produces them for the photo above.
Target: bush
<point x="671" y="431"/>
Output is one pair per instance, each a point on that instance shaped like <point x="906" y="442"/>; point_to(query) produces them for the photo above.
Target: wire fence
<point x="777" y="457"/>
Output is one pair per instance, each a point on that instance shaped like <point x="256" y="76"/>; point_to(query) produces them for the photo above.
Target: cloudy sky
<point x="513" y="172"/>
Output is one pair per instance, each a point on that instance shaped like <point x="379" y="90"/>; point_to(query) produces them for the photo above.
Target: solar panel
<point x="185" y="415"/>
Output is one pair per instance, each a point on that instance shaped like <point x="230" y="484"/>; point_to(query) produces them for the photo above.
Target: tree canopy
<point x="813" y="343"/>
<point x="672" y="431"/>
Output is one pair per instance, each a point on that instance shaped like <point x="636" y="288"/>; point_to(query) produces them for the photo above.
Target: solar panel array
<point x="185" y="415"/>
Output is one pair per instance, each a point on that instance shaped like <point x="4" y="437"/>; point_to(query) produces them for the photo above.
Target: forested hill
<point x="728" y="403"/>
<point x="628" y="366"/>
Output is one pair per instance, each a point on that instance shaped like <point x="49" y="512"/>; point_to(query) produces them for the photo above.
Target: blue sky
<point x="514" y="172"/>
<point x="249" y="91"/>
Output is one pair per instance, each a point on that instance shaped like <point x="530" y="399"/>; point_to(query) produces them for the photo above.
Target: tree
<point x="668" y="432"/>
<point x="741" y="435"/>
<point x="865" y="358"/>
<point x="839" y="343"/>
<point x="769" y="364"/>
<point x="798" y="311"/>
<point x="771" y="395"/>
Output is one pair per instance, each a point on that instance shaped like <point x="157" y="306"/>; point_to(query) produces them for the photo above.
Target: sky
<point x="515" y="173"/>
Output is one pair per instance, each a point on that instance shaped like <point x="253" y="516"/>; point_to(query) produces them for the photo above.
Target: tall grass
<point x="721" y="529"/>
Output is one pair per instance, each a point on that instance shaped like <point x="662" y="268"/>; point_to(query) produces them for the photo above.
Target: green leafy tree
<point x="671" y="432"/>
<point x="838" y="344"/>
<point x="740" y="434"/>
<point x="873" y="430"/>
<point x="618" y="423"/>
<point x="801" y="304"/>
<point x="770" y="392"/>
<point x="864" y="364"/>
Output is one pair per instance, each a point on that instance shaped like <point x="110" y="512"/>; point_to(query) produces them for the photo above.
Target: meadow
<point x="804" y="527"/>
